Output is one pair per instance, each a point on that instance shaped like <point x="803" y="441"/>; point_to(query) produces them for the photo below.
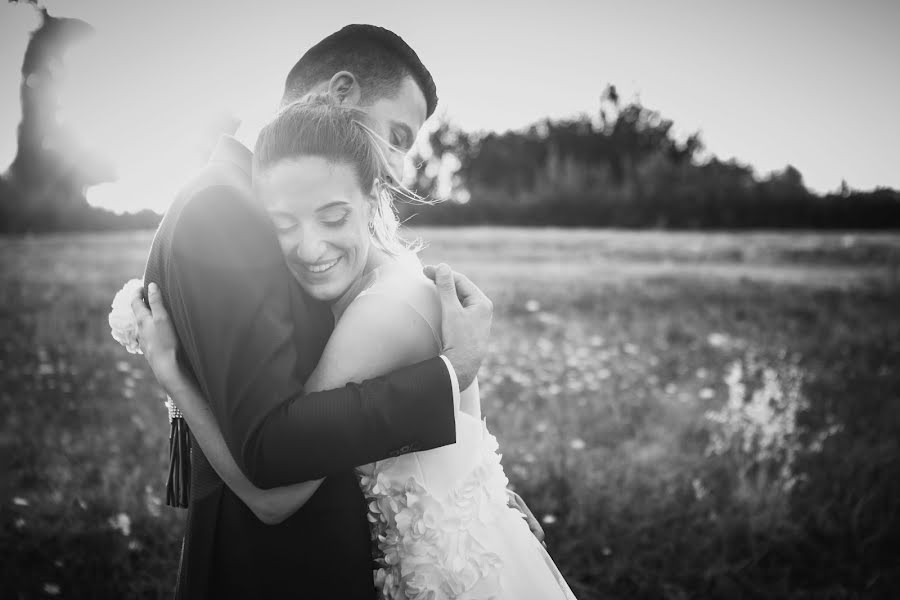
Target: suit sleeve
<point x="229" y="298"/>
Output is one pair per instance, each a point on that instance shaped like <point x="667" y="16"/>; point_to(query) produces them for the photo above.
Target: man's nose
<point x="397" y="164"/>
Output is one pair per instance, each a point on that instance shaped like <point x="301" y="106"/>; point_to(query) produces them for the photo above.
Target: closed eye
<point x="335" y="222"/>
<point x="333" y="214"/>
<point x="282" y="222"/>
<point x="400" y="139"/>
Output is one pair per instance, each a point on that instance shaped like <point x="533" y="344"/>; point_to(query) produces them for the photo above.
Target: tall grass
<point x="690" y="416"/>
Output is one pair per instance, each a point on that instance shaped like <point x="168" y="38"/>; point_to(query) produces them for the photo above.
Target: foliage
<point x="624" y="169"/>
<point x="43" y="189"/>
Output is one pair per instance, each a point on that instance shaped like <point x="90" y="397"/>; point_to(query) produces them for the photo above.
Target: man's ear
<point x="344" y="88"/>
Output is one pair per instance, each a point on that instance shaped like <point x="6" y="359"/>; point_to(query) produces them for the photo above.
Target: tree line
<point x="623" y="168"/>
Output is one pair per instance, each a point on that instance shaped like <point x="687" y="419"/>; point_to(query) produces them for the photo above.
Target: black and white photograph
<point x="458" y="300"/>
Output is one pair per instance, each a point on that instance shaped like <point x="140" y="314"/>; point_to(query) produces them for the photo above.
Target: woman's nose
<point x="309" y="246"/>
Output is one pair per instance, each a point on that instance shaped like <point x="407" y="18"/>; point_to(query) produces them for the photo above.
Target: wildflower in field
<point x="532" y="306"/>
<point x="707" y="393"/>
<point x="20" y="501"/>
<point x="52" y="589"/>
<point x="758" y="423"/>
<point x="577" y="444"/>
<point x="121" y="522"/>
<point x="549" y="319"/>
<point x="700" y="491"/>
<point x="717" y="340"/>
<point x="548" y="519"/>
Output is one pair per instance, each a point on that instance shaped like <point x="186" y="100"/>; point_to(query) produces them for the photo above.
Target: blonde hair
<point x="318" y="126"/>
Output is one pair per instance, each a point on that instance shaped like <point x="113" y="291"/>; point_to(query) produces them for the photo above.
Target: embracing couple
<point x="328" y="380"/>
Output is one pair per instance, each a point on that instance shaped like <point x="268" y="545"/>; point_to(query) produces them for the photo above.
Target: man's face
<point x="398" y="121"/>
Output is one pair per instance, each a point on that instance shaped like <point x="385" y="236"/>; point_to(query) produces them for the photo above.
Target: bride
<point x="440" y="523"/>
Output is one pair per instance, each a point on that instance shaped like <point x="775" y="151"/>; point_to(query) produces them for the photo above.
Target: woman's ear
<point x="371" y="204"/>
<point x="344" y="88"/>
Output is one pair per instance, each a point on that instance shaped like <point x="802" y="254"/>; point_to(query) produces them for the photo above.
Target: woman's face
<point x="322" y="219"/>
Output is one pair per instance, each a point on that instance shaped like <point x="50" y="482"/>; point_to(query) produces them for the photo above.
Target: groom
<point x="251" y="337"/>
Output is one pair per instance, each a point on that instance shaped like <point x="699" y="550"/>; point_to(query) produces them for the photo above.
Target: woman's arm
<point x="270" y="506"/>
<point x="159" y="343"/>
<point x="376" y="334"/>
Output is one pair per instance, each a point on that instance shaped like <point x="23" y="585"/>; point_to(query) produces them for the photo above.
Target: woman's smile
<point x="322" y="266"/>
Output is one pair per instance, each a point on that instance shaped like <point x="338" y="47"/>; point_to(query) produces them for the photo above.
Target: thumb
<point x="443" y="278"/>
<point x="154" y="297"/>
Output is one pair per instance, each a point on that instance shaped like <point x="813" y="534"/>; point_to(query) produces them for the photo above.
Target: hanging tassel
<point x="178" y="483"/>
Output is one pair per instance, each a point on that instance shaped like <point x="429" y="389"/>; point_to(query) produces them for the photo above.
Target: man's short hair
<point x="379" y="59"/>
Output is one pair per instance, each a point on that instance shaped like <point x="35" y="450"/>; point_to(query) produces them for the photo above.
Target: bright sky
<point x="770" y="82"/>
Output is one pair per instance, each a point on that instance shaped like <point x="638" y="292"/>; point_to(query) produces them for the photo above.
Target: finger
<point x="535" y="527"/>
<point x="446" y="287"/>
<point x="532" y="521"/>
<point x="140" y="309"/>
<point x="538" y="531"/>
<point x="157" y="307"/>
<point x="430" y="272"/>
<point x="469" y="293"/>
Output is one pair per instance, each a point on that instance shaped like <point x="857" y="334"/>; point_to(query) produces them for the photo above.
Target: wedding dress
<point x="441" y="526"/>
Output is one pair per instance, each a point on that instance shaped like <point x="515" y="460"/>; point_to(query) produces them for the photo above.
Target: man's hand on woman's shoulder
<point x="466" y="315"/>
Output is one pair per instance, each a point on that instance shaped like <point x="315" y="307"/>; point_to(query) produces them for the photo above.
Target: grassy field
<point x="691" y="415"/>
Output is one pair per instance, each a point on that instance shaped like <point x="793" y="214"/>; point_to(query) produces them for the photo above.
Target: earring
<point x="372" y="227"/>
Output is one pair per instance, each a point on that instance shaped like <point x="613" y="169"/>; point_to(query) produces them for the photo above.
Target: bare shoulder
<point x="406" y="283"/>
<point x="387" y="321"/>
<point x="377" y="334"/>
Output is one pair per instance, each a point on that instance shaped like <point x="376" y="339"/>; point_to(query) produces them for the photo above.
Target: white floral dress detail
<point x="441" y="526"/>
<point x="425" y="543"/>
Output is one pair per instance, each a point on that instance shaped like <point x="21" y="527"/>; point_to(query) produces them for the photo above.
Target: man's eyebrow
<point x="334" y="204"/>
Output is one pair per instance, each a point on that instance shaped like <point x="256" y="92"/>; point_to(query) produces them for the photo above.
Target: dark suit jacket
<point x="250" y="338"/>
